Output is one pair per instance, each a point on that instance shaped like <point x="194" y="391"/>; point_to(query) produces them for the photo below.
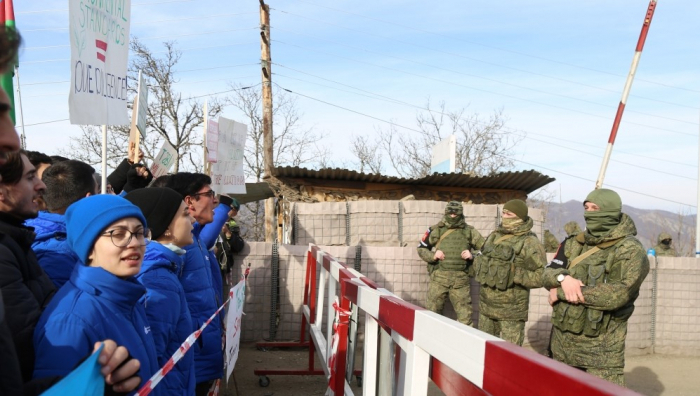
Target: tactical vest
<point x="499" y="256"/>
<point x="592" y="270"/>
<point x="452" y="245"/>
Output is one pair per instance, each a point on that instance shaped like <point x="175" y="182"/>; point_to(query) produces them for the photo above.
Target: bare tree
<point x="484" y="146"/>
<point x="170" y="117"/>
<point x="367" y="154"/>
<point x="293" y="145"/>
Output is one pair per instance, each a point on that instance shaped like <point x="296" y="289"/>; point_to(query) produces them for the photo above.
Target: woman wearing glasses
<point x="101" y="299"/>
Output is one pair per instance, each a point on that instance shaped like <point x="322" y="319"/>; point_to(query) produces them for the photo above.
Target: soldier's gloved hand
<point x="466" y="255"/>
<point x="439" y="255"/>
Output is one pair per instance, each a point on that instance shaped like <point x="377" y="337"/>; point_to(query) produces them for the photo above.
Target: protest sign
<point x="212" y="141"/>
<point x="99" y="37"/>
<point x="233" y="326"/>
<point x="166" y="158"/>
<point x="141" y="107"/>
<point x="227" y="173"/>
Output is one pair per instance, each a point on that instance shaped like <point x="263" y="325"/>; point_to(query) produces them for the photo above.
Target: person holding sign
<point x="101" y="299"/>
<point x="171" y="227"/>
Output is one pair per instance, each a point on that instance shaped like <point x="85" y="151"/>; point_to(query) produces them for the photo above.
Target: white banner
<point x="227" y="173"/>
<point x="99" y="40"/>
<point x="443" y="156"/>
<point x="233" y="326"/>
<point x="166" y="158"/>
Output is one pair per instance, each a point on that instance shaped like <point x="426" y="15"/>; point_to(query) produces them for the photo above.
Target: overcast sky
<point x="555" y="68"/>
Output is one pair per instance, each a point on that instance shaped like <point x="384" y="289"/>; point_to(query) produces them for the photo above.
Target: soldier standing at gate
<point x="450" y="264"/>
<point x="511" y="264"/>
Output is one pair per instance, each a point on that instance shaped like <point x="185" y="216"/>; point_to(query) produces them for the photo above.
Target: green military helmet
<point x="572" y="228"/>
<point x="454" y="207"/>
<point x="665" y="236"/>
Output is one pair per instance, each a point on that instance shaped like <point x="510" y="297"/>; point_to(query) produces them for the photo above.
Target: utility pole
<point x="265" y="64"/>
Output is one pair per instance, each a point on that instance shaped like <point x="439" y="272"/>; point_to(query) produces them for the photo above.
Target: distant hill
<point x="649" y="223"/>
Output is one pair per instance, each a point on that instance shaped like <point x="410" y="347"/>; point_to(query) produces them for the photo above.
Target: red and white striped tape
<point x="189" y="341"/>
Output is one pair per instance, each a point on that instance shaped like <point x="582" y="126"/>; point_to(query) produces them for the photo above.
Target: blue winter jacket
<point x="92" y="306"/>
<point x="51" y="247"/>
<point x="204" y="298"/>
<point x="168" y="315"/>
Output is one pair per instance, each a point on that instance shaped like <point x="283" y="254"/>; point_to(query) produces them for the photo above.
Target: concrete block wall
<point x="385" y="223"/>
<point x="401" y="271"/>
<point x="678" y="306"/>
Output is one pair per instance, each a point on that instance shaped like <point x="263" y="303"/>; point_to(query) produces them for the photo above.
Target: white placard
<point x="212" y="141"/>
<point x="233" y="326"/>
<point x="99" y="40"/>
<point x="227" y="173"/>
<point x="443" y="156"/>
<point x="142" y="108"/>
<point x="166" y="158"/>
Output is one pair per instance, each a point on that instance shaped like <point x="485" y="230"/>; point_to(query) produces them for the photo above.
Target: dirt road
<point x="650" y="375"/>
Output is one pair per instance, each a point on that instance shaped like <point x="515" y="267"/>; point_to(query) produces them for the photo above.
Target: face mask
<point x="511" y="223"/>
<point x="600" y="223"/>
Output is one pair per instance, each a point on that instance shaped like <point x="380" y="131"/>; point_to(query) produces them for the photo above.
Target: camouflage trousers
<point x="615" y="375"/>
<point x="456" y="285"/>
<point x="512" y="331"/>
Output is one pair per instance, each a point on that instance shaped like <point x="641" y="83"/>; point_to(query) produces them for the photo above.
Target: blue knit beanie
<point x="87" y="218"/>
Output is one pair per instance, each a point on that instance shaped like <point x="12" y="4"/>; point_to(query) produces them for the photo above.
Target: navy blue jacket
<point x="204" y="296"/>
<point x="92" y="306"/>
<point x="168" y="315"/>
<point x="51" y="247"/>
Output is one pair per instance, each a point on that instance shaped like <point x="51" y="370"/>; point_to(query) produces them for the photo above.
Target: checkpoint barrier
<point x="406" y="345"/>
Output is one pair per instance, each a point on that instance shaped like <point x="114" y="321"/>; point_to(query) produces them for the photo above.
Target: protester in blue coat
<point x="66" y="182"/>
<point x="198" y="277"/>
<point x="166" y="306"/>
<point x="101" y="299"/>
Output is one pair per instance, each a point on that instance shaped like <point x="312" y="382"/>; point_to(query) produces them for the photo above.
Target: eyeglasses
<point x="209" y="193"/>
<point x="122" y="237"/>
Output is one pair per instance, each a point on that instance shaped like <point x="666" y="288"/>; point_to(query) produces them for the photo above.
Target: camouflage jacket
<point x="526" y="273"/>
<point x="665" y="251"/>
<point x="625" y="268"/>
<point x="464" y="237"/>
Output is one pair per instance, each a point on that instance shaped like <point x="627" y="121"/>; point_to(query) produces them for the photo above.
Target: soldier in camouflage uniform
<point x="593" y="284"/>
<point x="572" y="228"/>
<point x="663" y="248"/>
<point x="550" y="242"/>
<point x="450" y="265"/>
<point x="511" y="264"/>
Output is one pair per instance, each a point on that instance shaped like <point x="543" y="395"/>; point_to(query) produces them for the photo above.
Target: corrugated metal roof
<point x="527" y="181"/>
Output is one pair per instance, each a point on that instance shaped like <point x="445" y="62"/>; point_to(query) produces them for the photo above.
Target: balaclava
<point x="600" y="223"/>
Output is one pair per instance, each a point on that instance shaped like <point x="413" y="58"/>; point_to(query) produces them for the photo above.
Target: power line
<point x="482" y="90"/>
<point x="392" y="100"/>
<point x="527" y="163"/>
<point x="133" y="5"/>
<point x="161" y="37"/>
<point x="152" y="22"/>
<point x="495" y="80"/>
<point x="493" y="47"/>
<point x="482" y="61"/>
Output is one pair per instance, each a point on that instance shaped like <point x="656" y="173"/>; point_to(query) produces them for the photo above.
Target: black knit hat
<point x="159" y="205"/>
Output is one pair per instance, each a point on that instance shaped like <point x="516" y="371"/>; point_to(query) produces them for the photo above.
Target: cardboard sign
<point x="233" y="326"/>
<point x="166" y="158"/>
<point x="212" y="141"/>
<point x="142" y="106"/>
<point x="99" y="40"/>
<point x="227" y="173"/>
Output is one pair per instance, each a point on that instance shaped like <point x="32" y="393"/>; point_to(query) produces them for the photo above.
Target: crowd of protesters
<point x="134" y="270"/>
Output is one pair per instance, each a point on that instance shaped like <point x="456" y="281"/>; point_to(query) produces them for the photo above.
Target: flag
<point x="8" y="19"/>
